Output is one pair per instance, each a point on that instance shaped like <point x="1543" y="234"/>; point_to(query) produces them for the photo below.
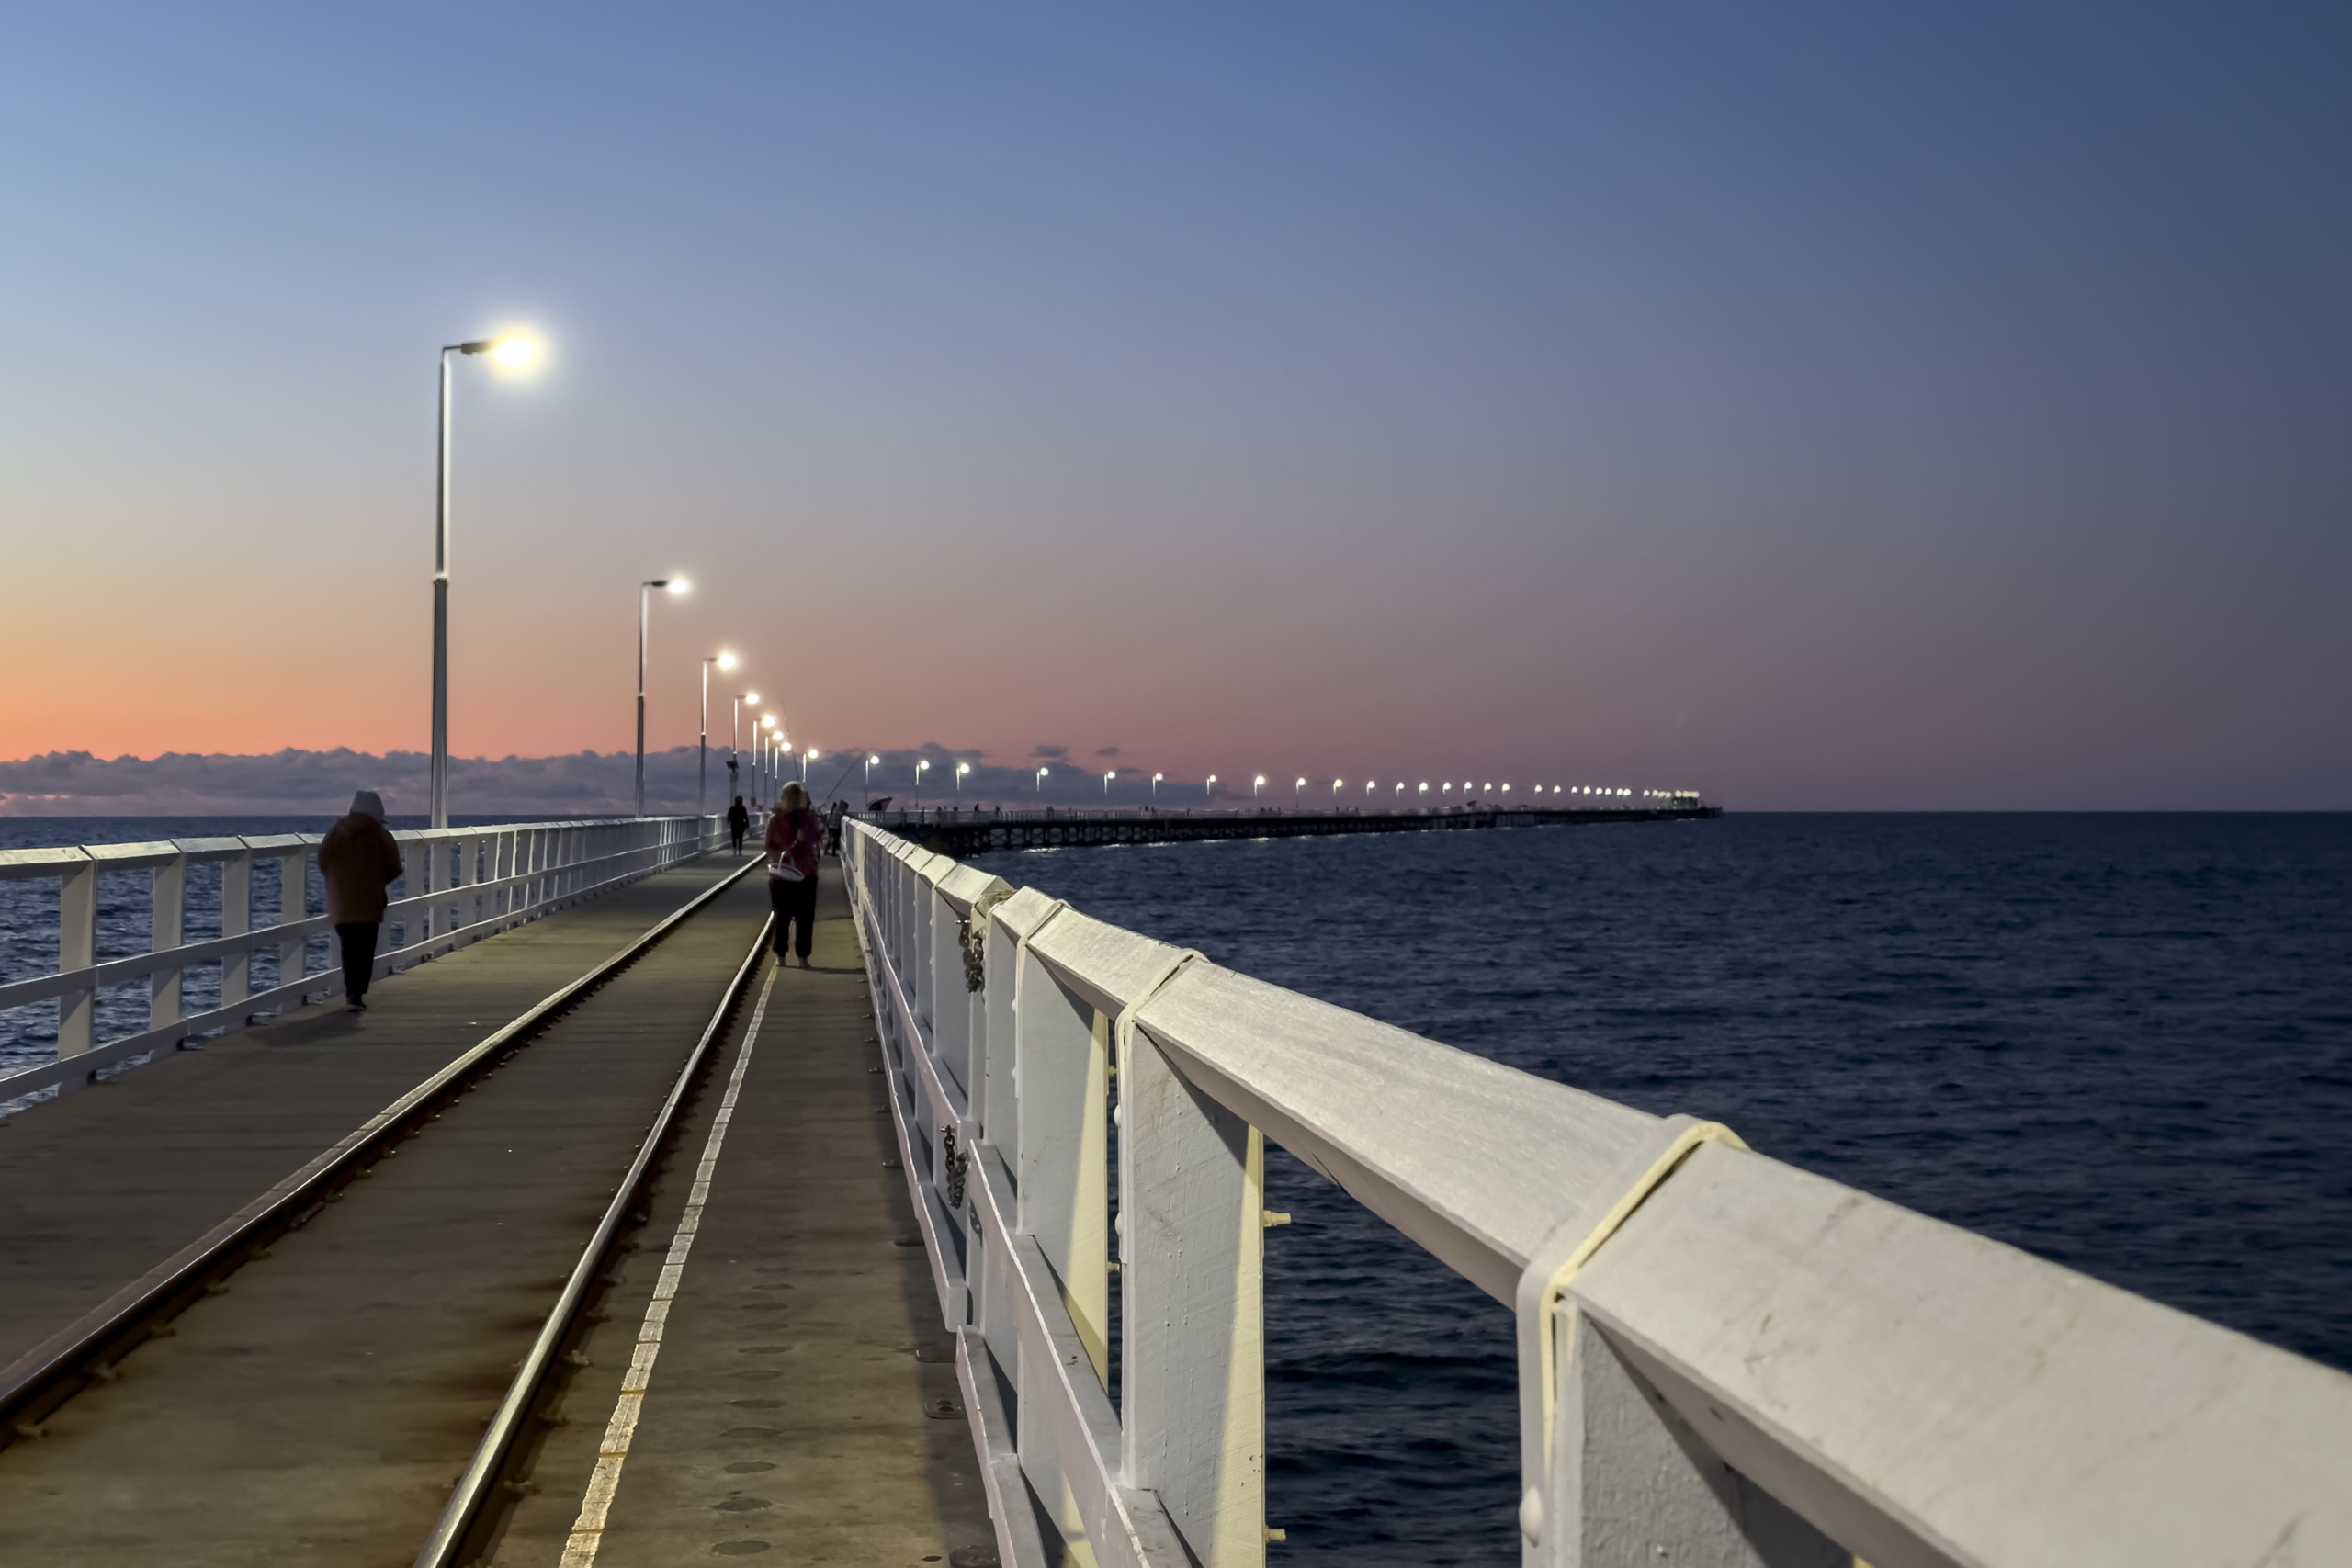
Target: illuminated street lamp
<point x="1154" y="784"/>
<point x="920" y="765"/>
<point x="1041" y="779"/>
<point x="1256" y="784"/>
<point x="644" y="623"/>
<point x="1107" y="777"/>
<point x="1335" y="793"/>
<point x="806" y="758"/>
<point x="514" y="353"/>
<point x="766" y="736"/>
<point x="961" y="769"/>
<point x="702" y="766"/>
<point x="870" y="761"/>
<point x="1208" y="790"/>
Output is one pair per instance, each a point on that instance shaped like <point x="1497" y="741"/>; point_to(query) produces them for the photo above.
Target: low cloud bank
<point x="292" y="783"/>
<point x="585" y="784"/>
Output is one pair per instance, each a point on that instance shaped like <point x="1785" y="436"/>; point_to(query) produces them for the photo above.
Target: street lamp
<point x="870" y="761"/>
<point x="1208" y="790"/>
<point x="1335" y="793"/>
<point x="735" y="735"/>
<point x="920" y="766"/>
<point x="1041" y="780"/>
<point x="514" y="353"/>
<point x="1154" y="784"/>
<point x="767" y="753"/>
<point x="961" y="769"/>
<point x="702" y="765"/>
<point x="1107" y="777"/>
<point x="644" y="623"/>
<point x="1298" y="794"/>
<point x="806" y="758"/>
<point x="1256" y="784"/>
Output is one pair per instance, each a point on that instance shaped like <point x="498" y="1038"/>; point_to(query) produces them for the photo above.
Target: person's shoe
<point x="804" y="962"/>
<point x="353" y="1004"/>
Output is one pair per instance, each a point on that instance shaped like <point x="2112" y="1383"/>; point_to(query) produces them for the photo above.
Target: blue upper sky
<point x="1832" y="404"/>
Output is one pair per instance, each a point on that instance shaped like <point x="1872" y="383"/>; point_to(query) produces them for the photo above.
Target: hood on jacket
<point x="367" y="802"/>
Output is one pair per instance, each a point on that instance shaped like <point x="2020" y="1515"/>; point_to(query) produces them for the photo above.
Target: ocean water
<point x="2123" y="1043"/>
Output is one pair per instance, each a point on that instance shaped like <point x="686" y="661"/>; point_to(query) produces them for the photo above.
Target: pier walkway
<point x="310" y="1395"/>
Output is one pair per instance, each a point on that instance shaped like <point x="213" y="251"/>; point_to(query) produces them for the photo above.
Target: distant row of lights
<point x="1208" y="785"/>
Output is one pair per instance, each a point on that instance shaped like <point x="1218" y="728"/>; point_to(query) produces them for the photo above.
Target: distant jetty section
<point x="962" y="832"/>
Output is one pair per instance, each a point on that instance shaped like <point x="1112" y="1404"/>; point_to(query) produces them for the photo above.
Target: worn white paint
<point x="1730" y="1362"/>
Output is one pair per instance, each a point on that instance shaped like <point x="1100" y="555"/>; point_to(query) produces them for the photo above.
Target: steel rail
<point x="463" y="1515"/>
<point x="84" y="1350"/>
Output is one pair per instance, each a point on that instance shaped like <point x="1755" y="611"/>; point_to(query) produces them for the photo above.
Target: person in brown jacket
<point x="357" y="860"/>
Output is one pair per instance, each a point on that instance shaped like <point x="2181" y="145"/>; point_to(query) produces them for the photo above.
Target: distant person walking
<point x="359" y="859"/>
<point x="739" y="823"/>
<point x="793" y="832"/>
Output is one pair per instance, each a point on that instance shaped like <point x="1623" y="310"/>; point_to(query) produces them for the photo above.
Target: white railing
<point x="465" y="883"/>
<point x="1723" y="1359"/>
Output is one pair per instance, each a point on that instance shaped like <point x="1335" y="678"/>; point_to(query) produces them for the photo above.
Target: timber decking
<point x="318" y="1412"/>
<point x="785" y="1417"/>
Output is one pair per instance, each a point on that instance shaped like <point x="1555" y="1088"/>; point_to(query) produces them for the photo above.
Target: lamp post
<point x="735" y="735"/>
<point x="1208" y="790"/>
<point x="1155" y="785"/>
<point x="1041" y="779"/>
<point x="767" y="737"/>
<point x="514" y="353"/>
<point x="920" y="766"/>
<point x="1335" y="794"/>
<point x="644" y="623"/>
<point x="1256" y="784"/>
<point x="961" y="769"/>
<point x="870" y="760"/>
<point x="702" y="766"/>
<point x="1298" y="795"/>
<point x="806" y="758"/>
<point x="1107" y="777"/>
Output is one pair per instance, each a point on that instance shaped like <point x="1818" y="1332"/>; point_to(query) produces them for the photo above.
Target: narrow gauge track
<point x="469" y="1524"/>
<point x="90" y="1351"/>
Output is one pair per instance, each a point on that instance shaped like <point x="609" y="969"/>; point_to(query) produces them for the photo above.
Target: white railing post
<point x="293" y="909"/>
<point x="1062" y="1172"/>
<point x="237" y="920"/>
<point x="1631" y="1484"/>
<point x="166" y="927"/>
<point x="1193" y="1363"/>
<point x="77" y="949"/>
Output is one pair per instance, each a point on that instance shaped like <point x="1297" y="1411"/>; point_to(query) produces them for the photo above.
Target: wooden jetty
<point x="962" y="832"/>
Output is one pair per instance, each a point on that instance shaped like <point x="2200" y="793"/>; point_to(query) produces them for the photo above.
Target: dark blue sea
<point x="2123" y="1043"/>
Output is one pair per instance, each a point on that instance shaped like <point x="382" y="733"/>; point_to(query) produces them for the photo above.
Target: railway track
<point x="347" y="1377"/>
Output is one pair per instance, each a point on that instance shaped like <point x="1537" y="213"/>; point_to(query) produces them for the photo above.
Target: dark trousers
<point x="795" y="903"/>
<point x="739" y="839"/>
<point x="359" y="938"/>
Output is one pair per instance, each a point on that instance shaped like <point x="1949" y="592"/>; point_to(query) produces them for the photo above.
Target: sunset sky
<point x="1824" y="406"/>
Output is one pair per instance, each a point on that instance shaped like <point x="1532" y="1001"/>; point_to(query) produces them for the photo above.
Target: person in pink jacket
<point x="794" y="830"/>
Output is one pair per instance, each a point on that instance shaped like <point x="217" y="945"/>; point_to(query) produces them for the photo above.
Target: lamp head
<point x="725" y="661"/>
<point x="677" y="585"/>
<point x="514" y="351"/>
<point x="751" y="696"/>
